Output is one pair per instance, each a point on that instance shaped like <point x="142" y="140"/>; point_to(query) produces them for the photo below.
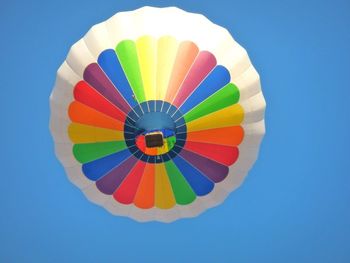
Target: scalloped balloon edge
<point x="72" y="70"/>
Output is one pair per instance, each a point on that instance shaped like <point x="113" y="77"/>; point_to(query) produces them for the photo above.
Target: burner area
<point x="154" y="139"/>
<point x="155" y="131"/>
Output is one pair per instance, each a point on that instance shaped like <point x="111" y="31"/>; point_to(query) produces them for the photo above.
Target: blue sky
<point x="293" y="206"/>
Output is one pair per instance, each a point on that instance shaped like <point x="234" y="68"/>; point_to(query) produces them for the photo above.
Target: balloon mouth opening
<point x="156" y="142"/>
<point x="155" y="131"/>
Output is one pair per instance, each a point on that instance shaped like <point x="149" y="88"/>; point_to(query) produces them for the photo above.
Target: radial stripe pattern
<point x="156" y="123"/>
<point x="119" y="103"/>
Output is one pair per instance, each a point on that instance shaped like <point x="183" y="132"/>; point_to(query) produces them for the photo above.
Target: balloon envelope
<point x="157" y="114"/>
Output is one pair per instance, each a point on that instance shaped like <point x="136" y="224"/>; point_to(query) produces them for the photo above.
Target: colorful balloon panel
<point x="203" y="101"/>
<point x="167" y="48"/>
<point x="126" y="192"/>
<point x="226" y="155"/>
<point x="87" y="152"/>
<point x="112" y="178"/>
<point x="128" y="58"/>
<point x="177" y="179"/>
<point x="164" y="195"/>
<point x="201" y="67"/>
<point x="183" y="192"/>
<point x="88" y="96"/>
<point x="144" y="197"/>
<point x="95" y="76"/>
<point x="185" y="57"/>
<point x="155" y="122"/>
<point x="110" y="64"/>
<point x="80" y="113"/>
<point x="128" y="76"/>
<point x="80" y="133"/>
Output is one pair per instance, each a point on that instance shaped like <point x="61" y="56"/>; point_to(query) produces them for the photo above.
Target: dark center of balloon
<point x="155" y="131"/>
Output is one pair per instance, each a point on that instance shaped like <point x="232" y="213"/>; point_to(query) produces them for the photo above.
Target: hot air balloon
<point x="157" y="114"/>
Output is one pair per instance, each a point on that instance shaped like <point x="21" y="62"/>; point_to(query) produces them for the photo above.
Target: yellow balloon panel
<point x="229" y="116"/>
<point x="167" y="49"/>
<point x="164" y="197"/>
<point x="147" y="51"/>
<point x="80" y="133"/>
